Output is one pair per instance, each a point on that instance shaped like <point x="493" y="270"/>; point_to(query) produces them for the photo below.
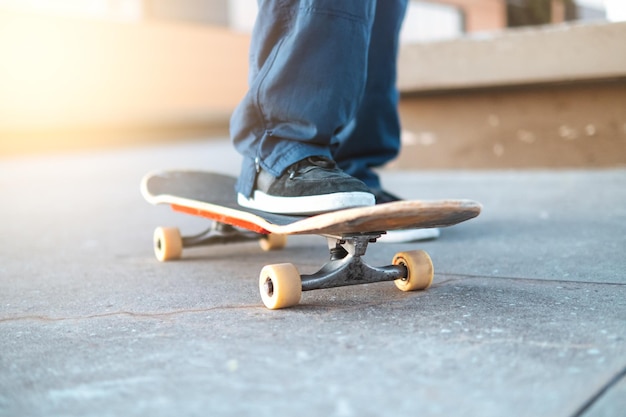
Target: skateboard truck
<point x="346" y="266"/>
<point x="169" y="243"/>
<point x="219" y="234"/>
<point x="281" y="285"/>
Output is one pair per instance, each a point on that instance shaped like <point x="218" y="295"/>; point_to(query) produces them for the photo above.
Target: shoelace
<point x="310" y="163"/>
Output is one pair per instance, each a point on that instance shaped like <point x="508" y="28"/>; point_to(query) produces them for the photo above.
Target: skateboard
<point x="348" y="232"/>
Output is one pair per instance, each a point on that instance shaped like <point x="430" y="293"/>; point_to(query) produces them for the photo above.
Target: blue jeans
<point x="321" y="83"/>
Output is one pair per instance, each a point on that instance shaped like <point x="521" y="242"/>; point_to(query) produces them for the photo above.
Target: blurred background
<point x="484" y="83"/>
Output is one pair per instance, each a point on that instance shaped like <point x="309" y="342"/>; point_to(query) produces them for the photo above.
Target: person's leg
<point x="308" y="69"/>
<point x="375" y="136"/>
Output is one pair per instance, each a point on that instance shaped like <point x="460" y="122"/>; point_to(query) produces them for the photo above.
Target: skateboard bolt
<point x="268" y="287"/>
<point x="404" y="277"/>
<point x="338" y="253"/>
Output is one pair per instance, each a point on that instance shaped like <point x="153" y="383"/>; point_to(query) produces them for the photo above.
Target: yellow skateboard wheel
<point x="419" y="267"/>
<point x="273" y="241"/>
<point x="168" y="243"/>
<point x="280" y="286"/>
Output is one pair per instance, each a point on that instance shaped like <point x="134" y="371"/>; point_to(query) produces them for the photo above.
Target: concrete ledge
<point x="577" y="125"/>
<point x="563" y="53"/>
<point x="553" y="97"/>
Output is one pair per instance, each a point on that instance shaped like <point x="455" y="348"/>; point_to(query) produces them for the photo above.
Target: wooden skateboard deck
<point x="348" y="231"/>
<point x="212" y="195"/>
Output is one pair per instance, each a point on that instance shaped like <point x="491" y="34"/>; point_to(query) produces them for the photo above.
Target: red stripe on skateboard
<point x="233" y="221"/>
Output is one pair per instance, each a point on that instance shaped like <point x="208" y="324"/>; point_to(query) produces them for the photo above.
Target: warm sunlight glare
<point x="61" y="72"/>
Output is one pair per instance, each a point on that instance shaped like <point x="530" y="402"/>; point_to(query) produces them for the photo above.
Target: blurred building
<point x="425" y="20"/>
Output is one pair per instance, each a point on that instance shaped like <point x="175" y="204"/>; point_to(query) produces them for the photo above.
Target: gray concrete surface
<point x="526" y="317"/>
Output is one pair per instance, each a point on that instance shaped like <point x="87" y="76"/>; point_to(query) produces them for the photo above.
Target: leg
<point x="375" y="138"/>
<point x="307" y="74"/>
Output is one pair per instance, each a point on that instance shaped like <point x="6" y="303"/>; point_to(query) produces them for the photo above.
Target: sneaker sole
<point x="410" y="235"/>
<point x="306" y="205"/>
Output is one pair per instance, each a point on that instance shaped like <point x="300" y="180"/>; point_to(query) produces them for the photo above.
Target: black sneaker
<point x="311" y="186"/>
<point x="401" y="236"/>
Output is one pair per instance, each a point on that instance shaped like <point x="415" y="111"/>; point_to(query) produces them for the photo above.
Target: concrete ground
<point x="526" y="317"/>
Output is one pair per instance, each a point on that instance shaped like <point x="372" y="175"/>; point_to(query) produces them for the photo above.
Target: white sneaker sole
<point x="306" y="205"/>
<point x="411" y="235"/>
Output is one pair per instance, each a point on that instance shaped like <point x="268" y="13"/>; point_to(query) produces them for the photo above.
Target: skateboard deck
<point x="348" y="231"/>
<point x="212" y="195"/>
